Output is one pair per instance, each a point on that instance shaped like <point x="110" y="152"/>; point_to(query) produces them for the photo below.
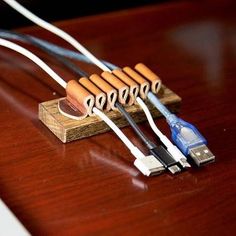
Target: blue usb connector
<point x="185" y="135"/>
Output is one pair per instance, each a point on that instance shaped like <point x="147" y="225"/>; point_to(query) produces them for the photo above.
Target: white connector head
<point x="149" y="165"/>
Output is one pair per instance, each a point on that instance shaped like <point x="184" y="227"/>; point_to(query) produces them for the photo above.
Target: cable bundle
<point x="114" y="89"/>
<point x="110" y="88"/>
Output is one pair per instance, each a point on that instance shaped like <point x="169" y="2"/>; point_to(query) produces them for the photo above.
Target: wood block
<point x="67" y="129"/>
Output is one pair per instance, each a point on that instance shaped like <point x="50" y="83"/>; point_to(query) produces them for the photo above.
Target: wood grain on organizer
<point x="122" y="88"/>
<point x="143" y="83"/>
<point x="133" y="86"/>
<point x="79" y="99"/>
<point x="110" y="92"/>
<point x="100" y="96"/>
<point x="148" y="74"/>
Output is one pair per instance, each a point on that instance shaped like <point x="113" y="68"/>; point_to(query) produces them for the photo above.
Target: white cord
<point x="148" y="165"/>
<point x="134" y="150"/>
<point x="149" y="117"/>
<point x="35" y="59"/>
<point x="173" y="150"/>
<point x="9" y="224"/>
<point x="47" y="69"/>
<point x="44" y="24"/>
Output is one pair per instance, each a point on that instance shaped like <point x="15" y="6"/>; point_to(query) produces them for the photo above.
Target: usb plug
<point x="149" y="165"/>
<point x="190" y="141"/>
<point x="201" y="155"/>
<point x="165" y="158"/>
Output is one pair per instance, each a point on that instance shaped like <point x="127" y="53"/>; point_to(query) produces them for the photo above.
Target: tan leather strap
<point x="110" y="92"/>
<point x="100" y="96"/>
<point x="144" y="84"/>
<point x="150" y="75"/>
<point x="133" y="86"/>
<point x="79" y="97"/>
<point x="123" y="89"/>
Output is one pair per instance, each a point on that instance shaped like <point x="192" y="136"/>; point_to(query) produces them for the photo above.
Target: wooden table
<point x="90" y="187"/>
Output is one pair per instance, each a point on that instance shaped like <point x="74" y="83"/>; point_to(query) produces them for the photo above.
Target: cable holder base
<point x="68" y="130"/>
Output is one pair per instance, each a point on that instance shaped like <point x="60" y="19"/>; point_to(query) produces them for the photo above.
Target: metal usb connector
<point x="201" y="155"/>
<point x="191" y="142"/>
<point x="149" y="165"/>
<point x="165" y="158"/>
<point x="185" y="135"/>
<point x="159" y="152"/>
<point x="176" y="154"/>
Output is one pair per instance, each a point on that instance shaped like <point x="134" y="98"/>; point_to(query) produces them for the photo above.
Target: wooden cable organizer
<point x="102" y="92"/>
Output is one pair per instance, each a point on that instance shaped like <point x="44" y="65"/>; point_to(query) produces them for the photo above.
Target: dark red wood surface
<point x="90" y="187"/>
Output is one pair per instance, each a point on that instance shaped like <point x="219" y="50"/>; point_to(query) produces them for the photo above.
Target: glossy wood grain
<point x="90" y="187"/>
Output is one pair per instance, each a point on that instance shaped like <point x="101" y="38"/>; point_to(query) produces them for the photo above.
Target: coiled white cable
<point x="44" y="24"/>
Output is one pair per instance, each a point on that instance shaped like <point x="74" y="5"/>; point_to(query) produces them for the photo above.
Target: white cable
<point x="149" y="117"/>
<point x="134" y="150"/>
<point x="35" y="59"/>
<point x="173" y="150"/>
<point x="47" y="69"/>
<point x="18" y="7"/>
<point x="148" y="165"/>
<point x="9" y="224"/>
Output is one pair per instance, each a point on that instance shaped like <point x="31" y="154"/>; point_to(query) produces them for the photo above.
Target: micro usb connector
<point x="175" y="153"/>
<point x="158" y="152"/>
<point x="165" y="158"/>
